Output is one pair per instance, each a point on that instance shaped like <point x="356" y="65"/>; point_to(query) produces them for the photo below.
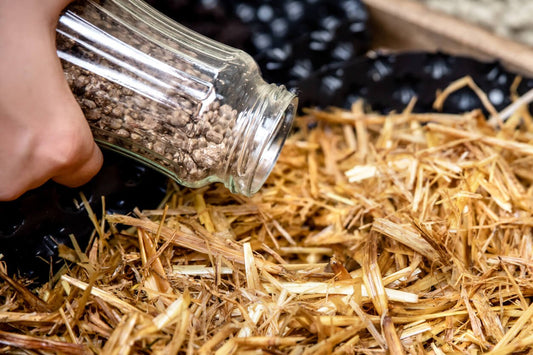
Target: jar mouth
<point x="264" y="122"/>
<point x="271" y="150"/>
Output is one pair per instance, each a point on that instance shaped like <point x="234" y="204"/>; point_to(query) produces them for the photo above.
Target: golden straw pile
<point x="403" y="233"/>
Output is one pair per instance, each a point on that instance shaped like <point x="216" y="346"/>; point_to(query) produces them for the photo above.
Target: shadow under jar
<point x="190" y="107"/>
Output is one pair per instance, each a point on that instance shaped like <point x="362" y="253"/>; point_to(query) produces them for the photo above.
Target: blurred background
<point x="507" y="18"/>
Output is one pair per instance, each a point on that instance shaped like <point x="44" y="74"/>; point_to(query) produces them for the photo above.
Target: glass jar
<point x="188" y="106"/>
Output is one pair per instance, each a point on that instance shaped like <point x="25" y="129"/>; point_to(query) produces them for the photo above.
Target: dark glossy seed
<point x="245" y="13"/>
<point x="11" y="221"/>
<point x="437" y="68"/>
<point x="265" y="13"/>
<point x="294" y="10"/>
<point x="343" y="51"/>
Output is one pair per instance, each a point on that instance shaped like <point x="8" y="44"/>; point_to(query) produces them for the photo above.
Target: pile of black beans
<point x="289" y="39"/>
<point x="389" y="82"/>
<point x="318" y="47"/>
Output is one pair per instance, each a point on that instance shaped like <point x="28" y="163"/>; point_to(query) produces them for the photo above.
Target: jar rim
<point x="270" y="124"/>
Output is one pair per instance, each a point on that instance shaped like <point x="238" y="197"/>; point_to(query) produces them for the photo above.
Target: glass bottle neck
<point x="263" y="128"/>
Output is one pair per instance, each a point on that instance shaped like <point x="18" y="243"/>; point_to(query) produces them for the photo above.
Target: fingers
<point x="76" y="157"/>
<point x="73" y="157"/>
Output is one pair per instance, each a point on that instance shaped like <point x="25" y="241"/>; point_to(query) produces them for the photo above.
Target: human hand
<point x="43" y="133"/>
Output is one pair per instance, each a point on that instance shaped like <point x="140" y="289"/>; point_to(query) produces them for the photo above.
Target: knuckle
<point x="69" y="150"/>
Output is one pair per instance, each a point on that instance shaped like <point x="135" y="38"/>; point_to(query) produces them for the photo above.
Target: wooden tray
<point x="410" y="25"/>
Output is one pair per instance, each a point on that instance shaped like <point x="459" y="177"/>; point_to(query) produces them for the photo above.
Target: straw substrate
<point x="401" y="233"/>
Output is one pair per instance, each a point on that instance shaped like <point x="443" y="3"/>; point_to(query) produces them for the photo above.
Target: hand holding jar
<point x="43" y="132"/>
